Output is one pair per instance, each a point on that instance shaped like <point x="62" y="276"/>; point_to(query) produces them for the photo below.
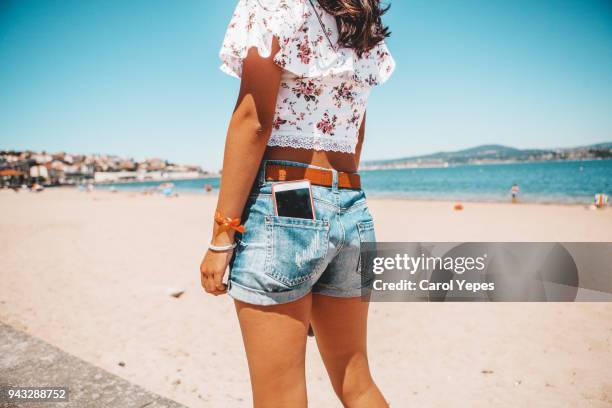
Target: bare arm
<point x="247" y="136"/>
<point x="360" y="141"/>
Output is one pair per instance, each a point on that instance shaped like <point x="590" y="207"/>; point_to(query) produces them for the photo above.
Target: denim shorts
<point x="281" y="259"/>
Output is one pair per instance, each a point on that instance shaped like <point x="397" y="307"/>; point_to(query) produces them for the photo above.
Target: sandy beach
<point x="91" y="272"/>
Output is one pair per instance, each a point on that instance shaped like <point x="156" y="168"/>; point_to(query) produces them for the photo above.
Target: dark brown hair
<point x="359" y="22"/>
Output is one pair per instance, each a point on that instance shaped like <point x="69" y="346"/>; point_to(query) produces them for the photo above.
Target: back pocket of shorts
<point x="298" y="248"/>
<point x="366" y="231"/>
<point x="367" y="239"/>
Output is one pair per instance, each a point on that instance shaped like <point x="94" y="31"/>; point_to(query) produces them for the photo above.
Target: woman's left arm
<point x="247" y="136"/>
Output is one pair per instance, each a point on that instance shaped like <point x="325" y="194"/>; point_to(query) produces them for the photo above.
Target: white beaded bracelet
<point x="221" y="248"/>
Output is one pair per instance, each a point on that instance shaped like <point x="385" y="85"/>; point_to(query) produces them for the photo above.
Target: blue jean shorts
<point x="281" y="259"/>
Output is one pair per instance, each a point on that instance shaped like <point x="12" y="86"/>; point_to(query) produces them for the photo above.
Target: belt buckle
<point x="282" y="174"/>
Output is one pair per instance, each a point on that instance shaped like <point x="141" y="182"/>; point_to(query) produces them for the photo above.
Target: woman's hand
<point x="214" y="264"/>
<point x="212" y="270"/>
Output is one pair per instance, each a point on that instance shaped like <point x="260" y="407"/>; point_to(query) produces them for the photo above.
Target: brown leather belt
<point x="319" y="177"/>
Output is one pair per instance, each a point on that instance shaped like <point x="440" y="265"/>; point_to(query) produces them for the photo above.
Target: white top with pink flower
<point x="323" y="91"/>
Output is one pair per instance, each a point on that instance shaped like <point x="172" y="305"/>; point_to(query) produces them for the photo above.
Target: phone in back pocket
<point x="293" y="199"/>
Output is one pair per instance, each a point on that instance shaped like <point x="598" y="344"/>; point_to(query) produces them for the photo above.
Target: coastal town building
<point x="19" y="168"/>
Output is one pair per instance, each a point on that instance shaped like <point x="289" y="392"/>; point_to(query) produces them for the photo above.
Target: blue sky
<point x="140" y="78"/>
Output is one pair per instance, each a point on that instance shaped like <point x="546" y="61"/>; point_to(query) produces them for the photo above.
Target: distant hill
<point x="494" y="154"/>
<point x="606" y="145"/>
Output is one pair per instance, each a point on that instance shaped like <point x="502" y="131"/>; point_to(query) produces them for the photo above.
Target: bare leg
<point x="275" y="343"/>
<point x="340" y="327"/>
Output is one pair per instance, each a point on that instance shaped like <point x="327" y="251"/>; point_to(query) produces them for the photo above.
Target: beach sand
<point x="90" y="273"/>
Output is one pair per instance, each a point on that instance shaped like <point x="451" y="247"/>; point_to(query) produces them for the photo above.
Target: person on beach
<point x="514" y="192"/>
<point x="306" y="69"/>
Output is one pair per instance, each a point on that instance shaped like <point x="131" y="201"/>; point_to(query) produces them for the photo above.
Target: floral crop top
<point x="324" y="89"/>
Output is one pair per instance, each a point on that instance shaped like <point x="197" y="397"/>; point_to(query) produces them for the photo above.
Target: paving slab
<point x="26" y="361"/>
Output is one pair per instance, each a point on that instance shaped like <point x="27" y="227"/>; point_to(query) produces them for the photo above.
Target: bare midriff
<point x="332" y="160"/>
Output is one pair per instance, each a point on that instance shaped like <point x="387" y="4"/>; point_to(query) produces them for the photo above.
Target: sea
<point x="571" y="182"/>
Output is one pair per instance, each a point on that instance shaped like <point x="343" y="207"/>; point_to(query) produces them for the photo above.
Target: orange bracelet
<point x="233" y="223"/>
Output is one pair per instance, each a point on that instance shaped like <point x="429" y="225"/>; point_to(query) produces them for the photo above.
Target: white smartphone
<point x="293" y="199"/>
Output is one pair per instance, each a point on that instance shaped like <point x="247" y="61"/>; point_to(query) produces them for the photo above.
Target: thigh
<point x="340" y="327"/>
<point x="275" y="343"/>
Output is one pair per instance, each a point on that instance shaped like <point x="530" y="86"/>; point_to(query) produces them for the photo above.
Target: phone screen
<point x="295" y="203"/>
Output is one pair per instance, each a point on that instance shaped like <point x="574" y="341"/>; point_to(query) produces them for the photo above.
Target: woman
<point x="306" y="70"/>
